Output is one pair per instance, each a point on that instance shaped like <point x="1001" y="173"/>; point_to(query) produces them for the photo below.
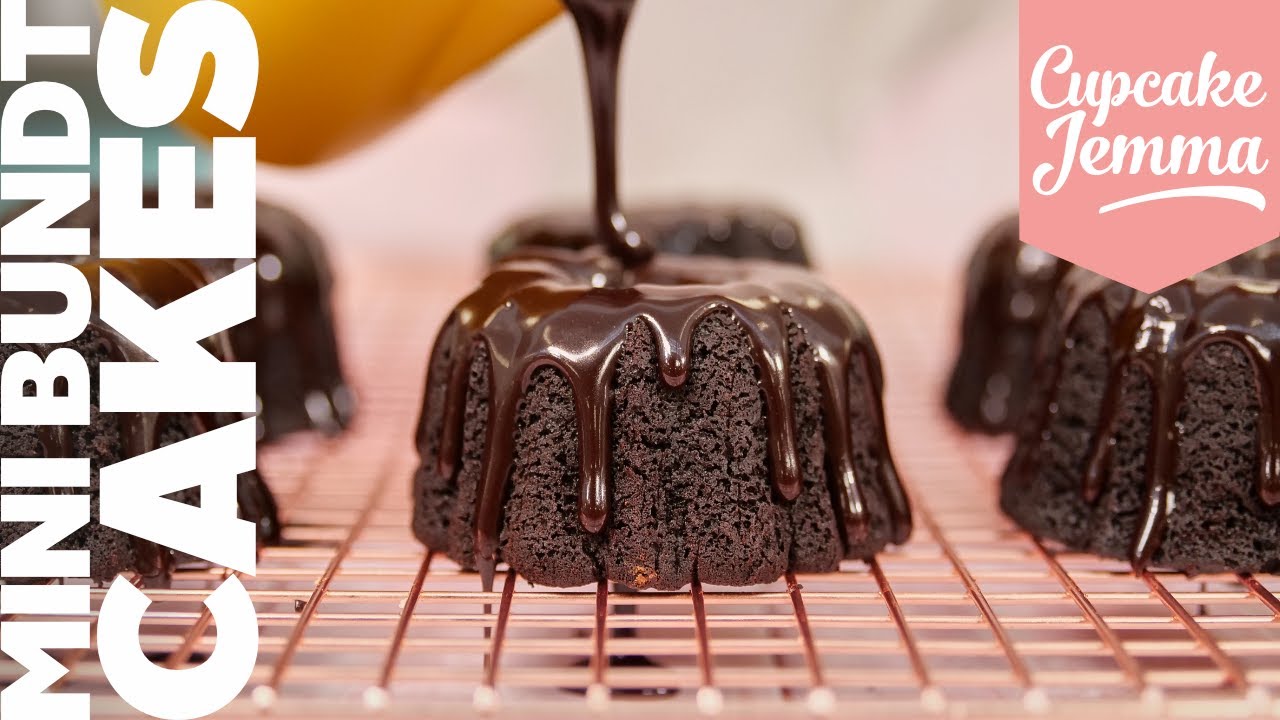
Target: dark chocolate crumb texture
<point x="584" y="420"/>
<point x="113" y="437"/>
<point x="1151" y="430"/>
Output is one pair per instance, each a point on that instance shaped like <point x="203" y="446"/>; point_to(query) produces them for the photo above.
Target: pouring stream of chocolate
<point x="601" y="27"/>
<point x="571" y="310"/>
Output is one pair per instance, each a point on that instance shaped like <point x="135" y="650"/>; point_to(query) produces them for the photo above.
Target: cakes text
<point x="147" y="76"/>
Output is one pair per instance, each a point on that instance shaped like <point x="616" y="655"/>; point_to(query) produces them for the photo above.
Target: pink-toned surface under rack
<point x="971" y="619"/>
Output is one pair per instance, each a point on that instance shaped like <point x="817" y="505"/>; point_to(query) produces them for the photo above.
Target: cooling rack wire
<point x="971" y="619"/>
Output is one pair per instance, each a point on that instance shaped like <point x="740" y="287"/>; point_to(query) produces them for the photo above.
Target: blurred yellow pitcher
<point x="335" y="73"/>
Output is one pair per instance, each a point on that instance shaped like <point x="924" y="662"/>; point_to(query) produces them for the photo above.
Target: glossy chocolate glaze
<point x="301" y="384"/>
<point x="545" y="305"/>
<point x="601" y="26"/>
<point x="1009" y="288"/>
<point x="158" y="282"/>
<point x="571" y="309"/>
<point x="1160" y="334"/>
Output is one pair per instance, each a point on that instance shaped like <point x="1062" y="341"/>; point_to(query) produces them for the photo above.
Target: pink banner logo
<point x="1149" y="130"/>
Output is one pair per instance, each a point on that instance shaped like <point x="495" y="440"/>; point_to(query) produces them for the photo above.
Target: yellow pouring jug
<point x="335" y="73"/>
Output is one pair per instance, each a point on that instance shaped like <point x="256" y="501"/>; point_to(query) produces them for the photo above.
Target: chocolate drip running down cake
<point x="650" y="419"/>
<point x="292" y="339"/>
<point x="1151" y="431"/>
<point x="723" y="231"/>
<point x="690" y="417"/>
<point x="1009" y="287"/>
<point x="113" y="437"/>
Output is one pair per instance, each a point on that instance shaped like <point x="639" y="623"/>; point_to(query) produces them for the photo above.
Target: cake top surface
<point x="564" y="305"/>
<point x="683" y="229"/>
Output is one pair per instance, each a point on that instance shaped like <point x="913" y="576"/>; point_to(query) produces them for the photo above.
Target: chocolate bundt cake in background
<point x="1151" y="429"/>
<point x="300" y="379"/>
<point x="1260" y="262"/>
<point x="688" y="418"/>
<point x="112" y="437"/>
<point x="301" y="385"/>
<point x="1144" y="420"/>
<point x="739" y="231"/>
<point x="1009" y="287"/>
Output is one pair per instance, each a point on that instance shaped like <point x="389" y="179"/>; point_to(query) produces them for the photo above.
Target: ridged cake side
<point x="690" y="466"/>
<point x="1217" y="518"/>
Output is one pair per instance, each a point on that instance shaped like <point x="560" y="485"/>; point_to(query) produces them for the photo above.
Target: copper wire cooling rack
<point x="971" y="619"/>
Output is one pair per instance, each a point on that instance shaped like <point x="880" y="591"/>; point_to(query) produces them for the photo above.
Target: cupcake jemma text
<point x="1087" y="101"/>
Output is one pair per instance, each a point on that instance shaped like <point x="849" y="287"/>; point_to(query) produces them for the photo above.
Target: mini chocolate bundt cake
<point x="113" y="437"/>
<point x="1009" y="287"/>
<point x="1151" y="426"/>
<point x="300" y="379"/>
<point x="726" y="231"/>
<point x="301" y="385"/>
<point x="688" y="418"/>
